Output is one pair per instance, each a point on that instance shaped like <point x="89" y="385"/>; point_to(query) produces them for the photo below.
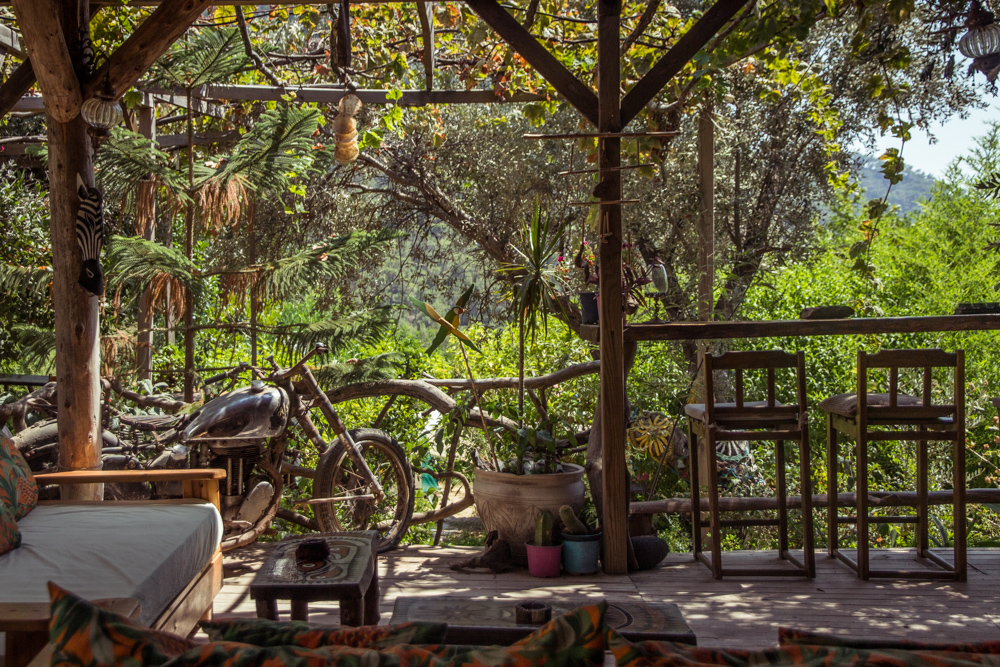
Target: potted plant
<point x="585" y="261"/>
<point x="581" y="550"/>
<point x="530" y="478"/>
<point x="544" y="552"/>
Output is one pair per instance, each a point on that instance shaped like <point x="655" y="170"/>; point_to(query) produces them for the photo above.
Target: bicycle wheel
<point x="337" y="475"/>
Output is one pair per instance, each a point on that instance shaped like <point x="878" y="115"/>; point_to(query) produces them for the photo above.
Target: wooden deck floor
<point x="733" y="612"/>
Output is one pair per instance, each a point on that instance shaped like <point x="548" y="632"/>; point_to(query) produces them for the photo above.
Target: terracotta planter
<point x="509" y="503"/>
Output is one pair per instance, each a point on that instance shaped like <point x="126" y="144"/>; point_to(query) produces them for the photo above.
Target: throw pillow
<point x="788" y="636"/>
<point x="262" y="632"/>
<point x="10" y="536"/>
<point x="84" y="634"/>
<point x="18" y="490"/>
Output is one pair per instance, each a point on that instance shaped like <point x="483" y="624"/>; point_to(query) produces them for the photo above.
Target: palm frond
<point x="991" y="184"/>
<point x="337" y="334"/>
<point x="211" y="56"/>
<point x="127" y="158"/>
<point x="381" y="367"/>
<point x="279" y="144"/>
<point x="27" y="282"/>
<point x="321" y="263"/>
<point x="36" y="347"/>
<point x="134" y="259"/>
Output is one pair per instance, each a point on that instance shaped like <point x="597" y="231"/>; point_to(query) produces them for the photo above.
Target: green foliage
<point x="208" y="56"/>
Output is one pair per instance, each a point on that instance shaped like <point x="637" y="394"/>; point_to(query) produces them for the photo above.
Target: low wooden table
<point x="492" y="621"/>
<point x="349" y="575"/>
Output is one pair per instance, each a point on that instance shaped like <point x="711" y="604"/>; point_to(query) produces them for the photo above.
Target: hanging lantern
<point x="983" y="37"/>
<point x="102" y="112"/>
<point x="345" y="129"/>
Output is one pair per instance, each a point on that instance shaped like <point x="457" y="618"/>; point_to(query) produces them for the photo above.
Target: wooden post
<point x="615" y="519"/>
<point x="706" y="220"/>
<point x="76" y="310"/>
<point x="145" y="226"/>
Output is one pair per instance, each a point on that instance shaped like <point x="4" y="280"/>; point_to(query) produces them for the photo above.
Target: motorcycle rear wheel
<point x="337" y="475"/>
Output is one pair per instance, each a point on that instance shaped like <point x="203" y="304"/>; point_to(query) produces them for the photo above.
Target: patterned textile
<point x="669" y="654"/>
<point x="789" y="636"/>
<point x="10" y="536"/>
<point x="86" y="636"/>
<point x="262" y="632"/>
<point x="18" y="490"/>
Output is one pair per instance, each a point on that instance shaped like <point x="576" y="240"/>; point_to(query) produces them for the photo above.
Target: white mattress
<point x="144" y="550"/>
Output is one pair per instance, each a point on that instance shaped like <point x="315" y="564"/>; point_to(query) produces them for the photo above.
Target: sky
<point x="954" y="138"/>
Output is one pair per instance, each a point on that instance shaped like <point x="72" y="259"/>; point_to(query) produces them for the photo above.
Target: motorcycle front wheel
<point x="337" y="476"/>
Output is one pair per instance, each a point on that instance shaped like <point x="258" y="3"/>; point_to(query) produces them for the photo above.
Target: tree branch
<point x="258" y="62"/>
<point x="640" y="27"/>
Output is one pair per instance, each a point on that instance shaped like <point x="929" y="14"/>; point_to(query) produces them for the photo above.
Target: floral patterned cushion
<point x="789" y="636"/>
<point x="18" y="490"/>
<point x="83" y="635"/>
<point x="262" y="632"/>
<point x="10" y="536"/>
<point x="669" y="654"/>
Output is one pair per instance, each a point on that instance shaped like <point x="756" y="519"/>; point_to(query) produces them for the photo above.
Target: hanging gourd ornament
<point x="345" y="130"/>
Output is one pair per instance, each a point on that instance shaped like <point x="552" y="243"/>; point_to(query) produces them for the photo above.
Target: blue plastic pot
<point x="581" y="553"/>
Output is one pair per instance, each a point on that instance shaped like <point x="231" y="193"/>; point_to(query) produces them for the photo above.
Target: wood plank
<point x="677" y="57"/>
<point x="17" y="86"/>
<point x="183" y="613"/>
<point x="576" y="92"/>
<point x="789" y="328"/>
<point x="146" y="44"/>
<point x="52" y="63"/>
<point x="122" y="476"/>
<point x="877" y="499"/>
<point x="10" y="41"/>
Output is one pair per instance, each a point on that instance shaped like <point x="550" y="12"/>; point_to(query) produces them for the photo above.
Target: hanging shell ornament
<point x="345" y="129"/>
<point x="651" y="431"/>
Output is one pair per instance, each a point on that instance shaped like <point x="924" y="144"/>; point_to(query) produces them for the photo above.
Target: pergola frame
<point x="48" y="28"/>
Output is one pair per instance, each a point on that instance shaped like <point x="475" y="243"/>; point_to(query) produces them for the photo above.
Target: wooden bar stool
<point x="767" y="420"/>
<point x="873" y="418"/>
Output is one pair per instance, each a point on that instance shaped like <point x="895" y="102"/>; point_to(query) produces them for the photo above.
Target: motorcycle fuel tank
<point x="258" y="411"/>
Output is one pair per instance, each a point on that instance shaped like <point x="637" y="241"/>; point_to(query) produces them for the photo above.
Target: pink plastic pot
<point x="544" y="561"/>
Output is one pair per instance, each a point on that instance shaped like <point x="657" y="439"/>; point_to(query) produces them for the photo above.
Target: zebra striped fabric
<point x="90" y="237"/>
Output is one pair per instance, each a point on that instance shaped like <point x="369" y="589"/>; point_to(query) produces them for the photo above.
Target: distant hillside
<point x="905" y="194"/>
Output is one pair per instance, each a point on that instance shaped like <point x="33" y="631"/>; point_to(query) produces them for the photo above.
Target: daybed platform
<point x="732" y="612"/>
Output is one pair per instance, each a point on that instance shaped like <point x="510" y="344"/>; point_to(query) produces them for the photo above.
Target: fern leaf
<point x="337" y="334"/>
<point x="381" y="367"/>
<point x="134" y="259"/>
<point x="26" y="282"/>
<point x="210" y="56"/>
<point x="125" y="159"/>
<point x="991" y="184"/>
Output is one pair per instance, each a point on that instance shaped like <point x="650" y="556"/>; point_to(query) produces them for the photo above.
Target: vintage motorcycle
<point x="363" y="481"/>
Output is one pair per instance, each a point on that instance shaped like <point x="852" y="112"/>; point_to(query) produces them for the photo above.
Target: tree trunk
<point x="189" y="253"/>
<point x="77" y="325"/>
<point x="145" y="223"/>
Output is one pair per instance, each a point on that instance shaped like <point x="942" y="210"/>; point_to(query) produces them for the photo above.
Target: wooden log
<point x="784" y="328"/>
<point x="539" y="382"/>
<point x="677" y="57"/>
<point x="325" y="94"/>
<point x="145" y="45"/>
<point x="52" y="64"/>
<point x="760" y="504"/>
<point x="576" y="92"/>
<point x="615" y="479"/>
<point x="706" y="217"/>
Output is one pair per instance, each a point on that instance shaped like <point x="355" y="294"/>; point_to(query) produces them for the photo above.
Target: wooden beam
<point x="787" y="328"/>
<point x="52" y="63"/>
<point x="197" y="105"/>
<point x="146" y="44"/>
<point x="10" y="41"/>
<point x="616" y="483"/>
<point x="21" y="80"/>
<point x="425" y="10"/>
<point x="678" y="56"/>
<point x="706" y="216"/>
<point x="145" y="226"/>
<point x="327" y="95"/>
<point x="576" y="93"/>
